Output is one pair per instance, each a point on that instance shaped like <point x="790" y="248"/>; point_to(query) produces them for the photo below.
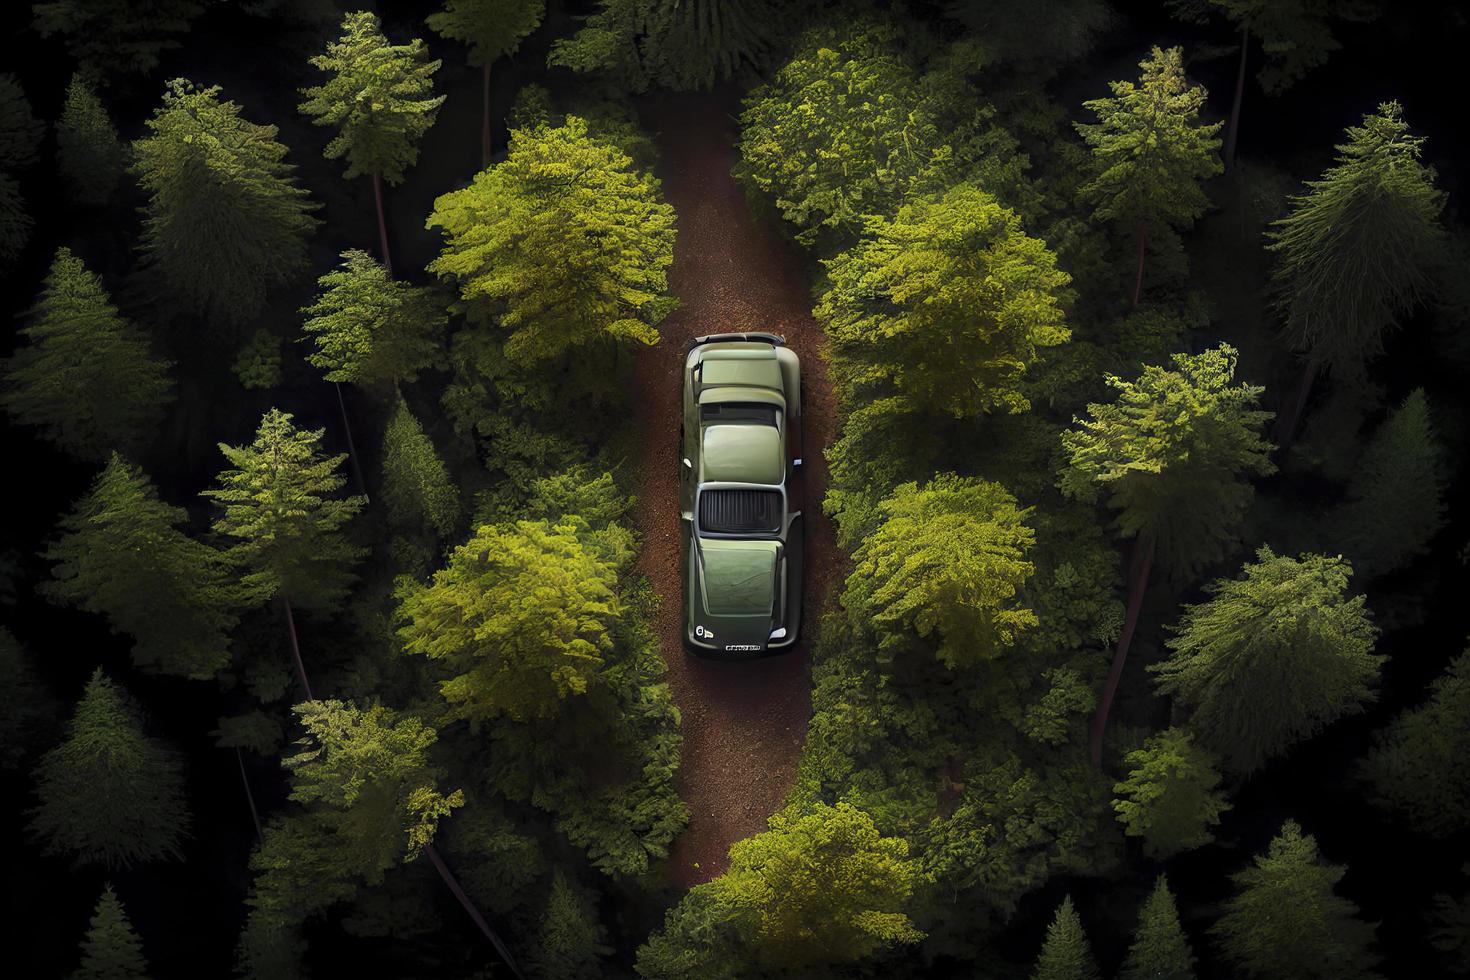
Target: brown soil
<point x="743" y="722"/>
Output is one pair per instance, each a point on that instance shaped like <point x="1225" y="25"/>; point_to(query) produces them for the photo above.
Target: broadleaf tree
<point x="491" y="29"/>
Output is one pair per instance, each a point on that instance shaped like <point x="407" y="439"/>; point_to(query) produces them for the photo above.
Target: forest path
<point x="744" y="722"/>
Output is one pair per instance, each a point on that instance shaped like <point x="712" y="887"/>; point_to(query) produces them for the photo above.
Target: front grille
<point x="740" y="511"/>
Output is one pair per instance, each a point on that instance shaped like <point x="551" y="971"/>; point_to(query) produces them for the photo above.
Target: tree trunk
<point x="249" y="796"/>
<point x="485" y="119"/>
<point x="469" y="906"/>
<point x="1232" y="130"/>
<point x="1286" y="423"/>
<point x="1139" y="566"/>
<point x="296" y="648"/>
<point x="1138" y="282"/>
<point x="382" y="225"/>
<point x="351" y="448"/>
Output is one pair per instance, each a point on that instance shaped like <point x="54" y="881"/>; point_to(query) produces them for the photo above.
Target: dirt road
<point x="743" y="722"/>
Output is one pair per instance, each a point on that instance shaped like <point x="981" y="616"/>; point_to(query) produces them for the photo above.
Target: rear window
<point x="740" y="511"/>
<point x="737" y="412"/>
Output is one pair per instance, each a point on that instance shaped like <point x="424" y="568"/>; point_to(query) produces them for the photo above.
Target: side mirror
<point x="688" y="464"/>
<point x="796" y="463"/>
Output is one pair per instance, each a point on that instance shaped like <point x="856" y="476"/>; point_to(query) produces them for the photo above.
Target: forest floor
<point x="743" y="722"/>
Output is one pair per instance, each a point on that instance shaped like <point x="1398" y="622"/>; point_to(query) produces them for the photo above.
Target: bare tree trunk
<point x="296" y="648"/>
<point x="1286" y="423"/>
<point x="1138" y="283"/>
<point x="1232" y="130"/>
<point x="469" y="907"/>
<point x="485" y="120"/>
<point x="382" y="225"/>
<point x="249" y="796"/>
<point x="1139" y="566"/>
<point x="351" y="447"/>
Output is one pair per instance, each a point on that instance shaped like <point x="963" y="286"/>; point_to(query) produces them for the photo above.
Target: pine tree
<point x="225" y="221"/>
<point x="27" y="710"/>
<point x="380" y="98"/>
<point x="86" y="376"/>
<point x="1171" y="796"/>
<point x="109" y="794"/>
<point x="949" y="560"/>
<point x="1419" y="767"/>
<point x="1066" y="954"/>
<point x="370" y="329"/>
<point x="89" y="154"/>
<point x="1172" y="452"/>
<point x="1151" y="153"/>
<point x="491" y="29"/>
<point x="950" y="299"/>
<point x="416" y="486"/>
<point x="1286" y="922"/>
<point x="1272" y="658"/>
<point x="1160" y="950"/>
<point x="1043" y="33"/>
<point x="121" y="553"/>
<point x="572" y="941"/>
<point x="565" y="242"/>
<point x="111" y="949"/>
<point x="20" y="131"/>
<point x="112" y="37"/>
<point x="15" y="221"/>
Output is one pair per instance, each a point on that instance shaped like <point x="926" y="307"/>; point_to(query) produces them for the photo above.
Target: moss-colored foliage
<point x="114" y="37"/>
<point x="89" y="154"/>
<point x="1160" y="949"/>
<point x="370" y="328"/>
<point x="111" y="949"/>
<point x="1359" y="250"/>
<point x="85" y="376"/>
<point x="521" y="619"/>
<point x="278" y="503"/>
<point x="1171" y="454"/>
<point x="255" y="730"/>
<point x="1272" y="657"/>
<point x="379" y="96"/>
<point x="1418" y="769"/>
<point x="258" y="365"/>
<point x="1449" y="921"/>
<point x="950" y="300"/>
<point x="105" y="755"/>
<point x="1171" y="796"/>
<point x="1033" y="32"/>
<point x="225" y="221"/>
<point x="949" y="560"/>
<point x="15" y="220"/>
<point x="121" y="553"/>
<point x="1286" y="921"/>
<point x="564" y="243"/>
<point x="20" y="131"/>
<point x="1066" y="953"/>
<point x="491" y="29"/>
<point x="821" y="887"/>
<point x="27" y="710"/>
<point x="571" y="941"/>
<point x="416" y="486"/>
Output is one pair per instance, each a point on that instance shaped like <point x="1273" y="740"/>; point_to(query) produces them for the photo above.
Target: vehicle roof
<point x="738" y="577"/>
<point x="748" y="368"/>
<point x="742" y="452"/>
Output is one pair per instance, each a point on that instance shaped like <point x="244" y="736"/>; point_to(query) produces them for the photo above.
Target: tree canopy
<point x="1171" y="795"/>
<point x="1066" y="954"/>
<point x="369" y="328"/>
<point x="491" y="29"/>
<point x="113" y="37"/>
<point x="111" y="949"/>
<point x="1160" y="950"/>
<point x="88" y="152"/>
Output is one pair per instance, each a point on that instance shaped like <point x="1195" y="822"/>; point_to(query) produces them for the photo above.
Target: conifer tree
<point x="225" y="221"/>
<point x="86" y="376"/>
<point x="1160" y="950"/>
<point x="950" y="299"/>
<point x="571" y="941"/>
<point x="1066" y="954"/>
<point x="1172" y="452"/>
<point x="491" y="29"/>
<point x="27" y="710"/>
<point x="15" y="221"/>
<point x="1171" y="796"/>
<point x="113" y="37"/>
<point x="1272" y="657"/>
<point x="278" y="503"/>
<point x="1358" y="251"/>
<point x="105" y="756"/>
<point x="370" y="329"/>
<point x="417" y="489"/>
<point x="1417" y="768"/>
<point x="1151" y="153"/>
<point x="89" y="154"/>
<point x="121" y="553"/>
<point x="949" y="560"/>
<point x="111" y="949"/>
<point x="20" y="131"/>
<point x="565" y="243"/>
<point x="1286" y="921"/>
<point x="380" y="98"/>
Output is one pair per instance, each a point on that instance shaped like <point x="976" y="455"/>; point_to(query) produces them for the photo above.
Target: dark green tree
<point x="1286" y="921"/>
<point x="113" y="37"/>
<point x="371" y="329"/>
<point x="491" y="29"/>
<point x="1160" y="950"/>
<point x="1449" y="920"/>
<point x="27" y="710"/>
<point x="105" y="756"/>
<point x="417" y="489"/>
<point x="111" y="949"/>
<point x="571" y="941"/>
<point x="1172" y="452"/>
<point x="89" y="154"/>
<point x="380" y="97"/>
<point x="85" y="376"/>
<point x="122" y="553"/>
<point x="1066" y="954"/>
<point x="1151" y="152"/>
<point x="225" y="221"/>
<point x="1040" y="33"/>
<point x="20" y="131"/>
<point x="564" y="243"/>
<point x="15" y="221"/>
<point x="1171" y="796"/>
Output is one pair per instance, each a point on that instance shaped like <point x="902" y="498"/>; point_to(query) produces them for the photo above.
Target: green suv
<point x="739" y="450"/>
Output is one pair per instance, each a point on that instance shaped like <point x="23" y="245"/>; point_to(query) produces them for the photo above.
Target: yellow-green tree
<point x="1171" y="795"/>
<point x="1065" y="953"/>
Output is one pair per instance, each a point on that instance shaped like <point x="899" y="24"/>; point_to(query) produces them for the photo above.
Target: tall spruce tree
<point x="15" y="221"/>
<point x="1171" y="796"/>
<point x="121" y="553"/>
<point x="1160" y="950"/>
<point x="225" y="221"/>
<point x="109" y="794"/>
<point x="370" y="329"/>
<point x="1066" y="954"/>
<point x="491" y="29"/>
<point x="1172" y="453"/>
<point x="1286" y="921"/>
<point x="27" y="710"/>
<point x="416" y="485"/>
<point x="1151" y="152"/>
<point x="20" y="131"/>
<point x="380" y="98"/>
<point x="571" y="941"/>
<point x="111" y="949"/>
<point x="114" y="37"/>
<point x="85" y="376"/>
<point x="89" y="154"/>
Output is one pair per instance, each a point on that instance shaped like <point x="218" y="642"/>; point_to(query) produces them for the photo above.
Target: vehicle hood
<point x="734" y="591"/>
